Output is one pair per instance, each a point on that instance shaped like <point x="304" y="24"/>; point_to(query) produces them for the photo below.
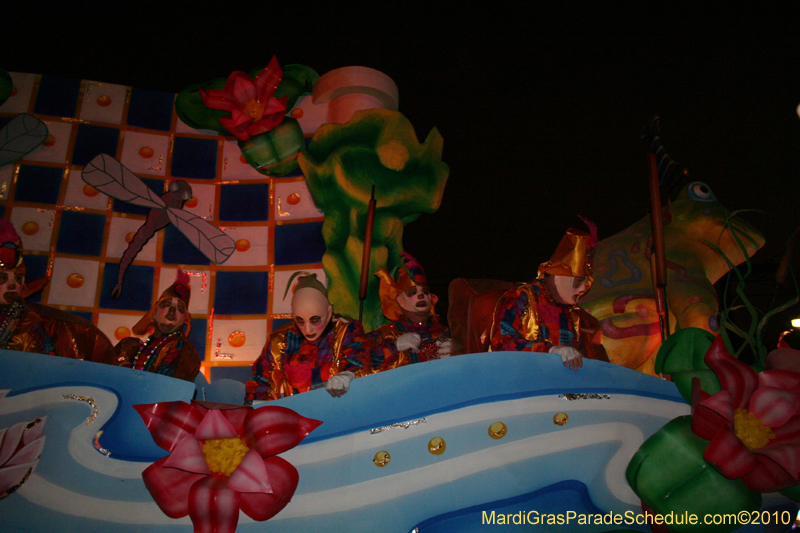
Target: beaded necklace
<point x="9" y="325"/>
<point x="157" y="345"/>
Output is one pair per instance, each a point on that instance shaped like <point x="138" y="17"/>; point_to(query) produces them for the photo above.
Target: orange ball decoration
<point x="90" y="191"/>
<point x="50" y="140"/>
<point x="297" y="113"/>
<point x="30" y="228"/>
<point x="237" y="339"/>
<point x="293" y="199"/>
<point x="104" y="101"/>
<point x="129" y="237"/>
<point x="192" y="202"/>
<point x="145" y="152"/>
<point x="122" y="333"/>
<point x="75" y="280"/>
<point x="242" y="245"/>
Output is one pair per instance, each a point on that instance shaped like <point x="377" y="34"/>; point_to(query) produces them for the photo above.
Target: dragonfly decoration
<point x="21" y="136"/>
<point x="111" y="177"/>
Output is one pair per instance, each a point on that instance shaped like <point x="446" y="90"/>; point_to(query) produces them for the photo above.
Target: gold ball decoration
<point x="497" y="430"/>
<point x="382" y="458"/>
<point x="560" y="419"/>
<point x="437" y="446"/>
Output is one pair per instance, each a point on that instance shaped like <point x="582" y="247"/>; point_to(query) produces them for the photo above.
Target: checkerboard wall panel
<point x="78" y="235"/>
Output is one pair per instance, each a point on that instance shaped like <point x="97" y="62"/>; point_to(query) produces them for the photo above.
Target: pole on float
<point x="365" y="257"/>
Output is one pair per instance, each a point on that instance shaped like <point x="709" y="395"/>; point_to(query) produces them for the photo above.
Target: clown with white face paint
<point x="543" y="316"/>
<point x="167" y="350"/>
<point x="415" y="334"/>
<point x="21" y="328"/>
<point x="318" y="348"/>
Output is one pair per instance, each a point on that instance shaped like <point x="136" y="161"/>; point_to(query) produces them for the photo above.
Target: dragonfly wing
<point x="209" y="239"/>
<point x="111" y="177"/>
<point x="20" y="137"/>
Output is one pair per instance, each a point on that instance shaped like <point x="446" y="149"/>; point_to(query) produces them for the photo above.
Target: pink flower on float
<point x="21" y="446"/>
<point x="753" y="423"/>
<point x="253" y="108"/>
<point x="222" y="460"/>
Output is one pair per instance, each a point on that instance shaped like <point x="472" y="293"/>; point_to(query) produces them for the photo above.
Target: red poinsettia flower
<point x="753" y="423"/>
<point x="222" y="460"/>
<point x="253" y="108"/>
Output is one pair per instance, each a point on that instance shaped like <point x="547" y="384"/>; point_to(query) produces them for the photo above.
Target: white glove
<point x="444" y="349"/>
<point x="339" y="384"/>
<point x="572" y="358"/>
<point x="408" y="341"/>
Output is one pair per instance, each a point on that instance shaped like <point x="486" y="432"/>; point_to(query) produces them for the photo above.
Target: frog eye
<point x="700" y="192"/>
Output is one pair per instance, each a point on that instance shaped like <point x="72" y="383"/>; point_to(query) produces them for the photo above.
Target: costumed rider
<point x="543" y="316"/>
<point x="415" y="334"/>
<point x="21" y="328"/>
<point x="318" y="348"/>
<point x="167" y="350"/>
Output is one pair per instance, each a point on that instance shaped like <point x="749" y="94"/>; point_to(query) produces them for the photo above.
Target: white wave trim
<point x="81" y="440"/>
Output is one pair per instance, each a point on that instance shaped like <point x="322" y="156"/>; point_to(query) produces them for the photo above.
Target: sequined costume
<point x="22" y="329"/>
<point x="170" y="355"/>
<point x="385" y="355"/>
<point x="529" y="319"/>
<point x="289" y="364"/>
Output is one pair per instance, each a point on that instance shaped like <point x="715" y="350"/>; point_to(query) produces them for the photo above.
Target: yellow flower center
<point x="254" y="109"/>
<point x="750" y="430"/>
<point x="224" y="455"/>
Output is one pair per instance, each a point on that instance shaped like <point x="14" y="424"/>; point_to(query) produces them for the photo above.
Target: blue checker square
<point x="157" y="186"/>
<point x="137" y="287"/>
<point x="297" y="244"/>
<point x="278" y="322"/>
<point x="38" y="184"/>
<point x="244" y="203"/>
<point x="194" y="158"/>
<point x="241" y="293"/>
<point x="57" y="96"/>
<point x="150" y="109"/>
<point x="179" y="251"/>
<point x="83" y="314"/>
<point x="80" y="233"/>
<point x="2" y="211"/>
<point x="198" y="336"/>
<point x="236" y="373"/>
<point x="35" y="268"/>
<point x="92" y="141"/>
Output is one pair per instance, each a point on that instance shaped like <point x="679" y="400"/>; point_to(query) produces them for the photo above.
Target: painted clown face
<point x="312" y="313"/>
<point x="10" y="286"/>
<point x="170" y="315"/>
<point x="415" y="302"/>
<point x="568" y="289"/>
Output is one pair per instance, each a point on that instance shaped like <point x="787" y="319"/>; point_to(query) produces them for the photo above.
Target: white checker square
<point x="63" y="287"/>
<point x="19" y="101"/>
<point x="81" y="194"/>
<point x="103" y="102"/>
<point x="54" y="149"/>
<point x="293" y="201"/>
<point x="234" y="167"/>
<point x="251" y="246"/>
<point x="34" y="226"/>
<point x="203" y="203"/>
<point x="145" y="153"/>
<point x="118" y="235"/>
<point x="255" y="336"/>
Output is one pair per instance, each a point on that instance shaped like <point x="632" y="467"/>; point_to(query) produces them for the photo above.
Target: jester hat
<point x="179" y="289"/>
<point x="408" y="275"/>
<point x="574" y="255"/>
<point x="11" y="252"/>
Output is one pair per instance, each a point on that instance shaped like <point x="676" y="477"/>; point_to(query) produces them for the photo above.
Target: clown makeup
<point x="170" y="315"/>
<point x="415" y="302"/>
<point x="312" y="313"/>
<point x="10" y="286"/>
<point x="568" y="289"/>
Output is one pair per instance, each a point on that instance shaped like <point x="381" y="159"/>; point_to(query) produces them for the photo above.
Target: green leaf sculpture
<point x="341" y="164"/>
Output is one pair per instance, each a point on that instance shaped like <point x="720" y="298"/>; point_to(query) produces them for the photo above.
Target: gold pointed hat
<point x="574" y="255"/>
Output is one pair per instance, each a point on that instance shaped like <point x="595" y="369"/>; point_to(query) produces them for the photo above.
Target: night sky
<point x="540" y="111"/>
